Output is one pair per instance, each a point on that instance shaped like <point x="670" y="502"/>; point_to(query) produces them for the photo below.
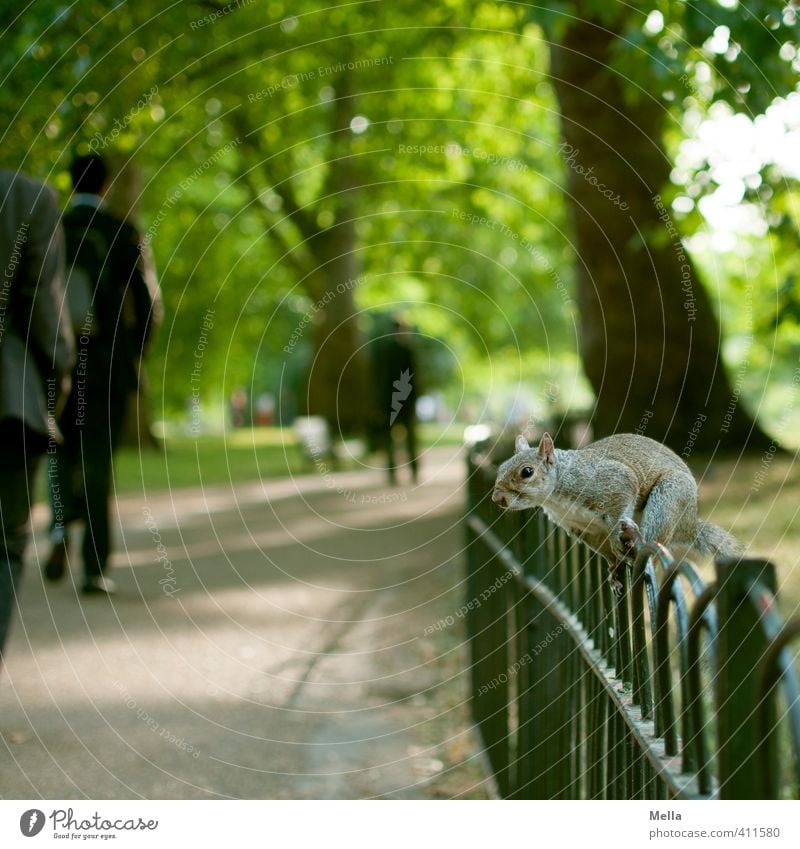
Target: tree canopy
<point x="294" y="166"/>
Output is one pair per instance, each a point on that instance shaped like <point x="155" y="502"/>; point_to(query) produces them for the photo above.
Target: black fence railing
<point x="668" y="687"/>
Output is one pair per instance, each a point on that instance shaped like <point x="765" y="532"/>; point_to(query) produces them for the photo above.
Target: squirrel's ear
<point x="521" y="444"/>
<point x="547" y="449"/>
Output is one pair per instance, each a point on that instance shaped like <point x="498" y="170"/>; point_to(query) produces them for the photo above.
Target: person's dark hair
<point x="88" y="173"/>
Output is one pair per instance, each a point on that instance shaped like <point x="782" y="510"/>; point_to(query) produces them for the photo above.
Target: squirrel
<point x="613" y="494"/>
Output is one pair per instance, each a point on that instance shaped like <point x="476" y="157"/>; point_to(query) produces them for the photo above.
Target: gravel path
<point x="268" y="641"/>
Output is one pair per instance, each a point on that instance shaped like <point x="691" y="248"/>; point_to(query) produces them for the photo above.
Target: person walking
<point x="396" y="391"/>
<point x="110" y="307"/>
<point x="36" y="356"/>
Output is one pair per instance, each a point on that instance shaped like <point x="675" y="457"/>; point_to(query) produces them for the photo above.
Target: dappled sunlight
<point x="269" y="625"/>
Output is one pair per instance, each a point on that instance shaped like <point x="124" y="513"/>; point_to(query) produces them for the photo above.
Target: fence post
<point x="488" y="639"/>
<point x="741" y="642"/>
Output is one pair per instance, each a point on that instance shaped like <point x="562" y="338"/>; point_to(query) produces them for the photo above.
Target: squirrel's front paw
<point x="621" y="547"/>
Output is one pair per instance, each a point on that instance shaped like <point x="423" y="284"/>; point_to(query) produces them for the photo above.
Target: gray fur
<point x="712" y="539"/>
<point x="600" y="492"/>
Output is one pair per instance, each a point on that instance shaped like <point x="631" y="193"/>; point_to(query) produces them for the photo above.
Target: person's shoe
<point x="99" y="586"/>
<point x="56" y="563"/>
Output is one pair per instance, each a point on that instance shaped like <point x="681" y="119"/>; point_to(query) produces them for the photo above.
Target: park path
<point x="269" y="640"/>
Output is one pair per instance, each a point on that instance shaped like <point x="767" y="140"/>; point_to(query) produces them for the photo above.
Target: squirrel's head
<point x="526" y="479"/>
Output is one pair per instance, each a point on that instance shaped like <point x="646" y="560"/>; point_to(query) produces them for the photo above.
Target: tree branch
<point x="290" y="252"/>
<point x="283" y="188"/>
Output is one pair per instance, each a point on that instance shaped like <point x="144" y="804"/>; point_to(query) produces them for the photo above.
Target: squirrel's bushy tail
<point x="712" y="539"/>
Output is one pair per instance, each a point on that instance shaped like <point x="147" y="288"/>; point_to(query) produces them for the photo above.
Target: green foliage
<point x="240" y="151"/>
<point x="259" y="131"/>
<point x="700" y="51"/>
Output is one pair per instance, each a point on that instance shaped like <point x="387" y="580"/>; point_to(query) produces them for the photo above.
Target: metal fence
<point x="669" y="687"/>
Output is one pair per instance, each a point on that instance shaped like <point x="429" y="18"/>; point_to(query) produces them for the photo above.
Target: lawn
<point x="758" y="499"/>
<point x="183" y="461"/>
<point x="237" y="455"/>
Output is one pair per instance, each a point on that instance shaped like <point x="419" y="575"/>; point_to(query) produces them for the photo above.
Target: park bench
<point x="313" y="437"/>
<point x="316" y="445"/>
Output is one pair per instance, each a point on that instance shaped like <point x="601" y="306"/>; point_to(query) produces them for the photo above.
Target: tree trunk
<point x="337" y="379"/>
<point x="123" y="201"/>
<point x="650" y="341"/>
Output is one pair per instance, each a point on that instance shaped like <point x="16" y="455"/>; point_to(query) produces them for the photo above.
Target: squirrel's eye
<point x="527" y="472"/>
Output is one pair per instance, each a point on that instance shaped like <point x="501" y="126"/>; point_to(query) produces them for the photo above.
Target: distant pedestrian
<point x="110" y="307"/>
<point x="396" y="389"/>
<point x="36" y="357"/>
<point x="238" y="406"/>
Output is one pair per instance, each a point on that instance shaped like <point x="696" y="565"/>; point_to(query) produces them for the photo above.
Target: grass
<point x="189" y="461"/>
<point x="758" y="499"/>
<point x="238" y="455"/>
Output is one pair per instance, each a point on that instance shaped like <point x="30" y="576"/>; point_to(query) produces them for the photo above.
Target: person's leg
<point x="97" y="457"/>
<point x="18" y="463"/>
<point x="63" y="487"/>
<point x="96" y="469"/>
<point x="411" y="447"/>
<point x="57" y="476"/>
<point x="60" y="484"/>
<point x="391" y="466"/>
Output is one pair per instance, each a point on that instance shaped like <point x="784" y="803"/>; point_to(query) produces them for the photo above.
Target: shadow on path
<point x="273" y="648"/>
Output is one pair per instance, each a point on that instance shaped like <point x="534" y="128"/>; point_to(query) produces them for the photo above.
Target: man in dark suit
<point x="396" y="393"/>
<point x="110" y="305"/>
<point x="36" y="357"/>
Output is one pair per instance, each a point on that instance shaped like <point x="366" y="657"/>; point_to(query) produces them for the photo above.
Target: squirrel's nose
<point x="499" y="497"/>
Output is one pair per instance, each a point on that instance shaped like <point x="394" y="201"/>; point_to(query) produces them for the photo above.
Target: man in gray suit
<point x="36" y="357"/>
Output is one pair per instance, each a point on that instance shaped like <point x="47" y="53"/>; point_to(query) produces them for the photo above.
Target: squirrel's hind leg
<point x="629" y="531"/>
<point x="623" y="535"/>
<point x="623" y="540"/>
<point x="670" y="512"/>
